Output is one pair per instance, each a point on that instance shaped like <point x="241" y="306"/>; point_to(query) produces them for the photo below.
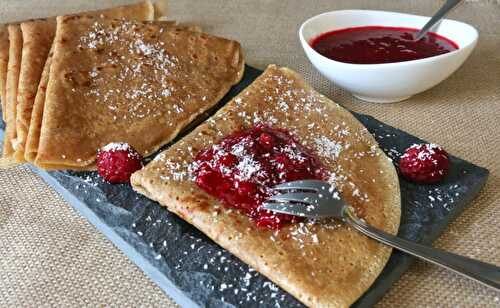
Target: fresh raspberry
<point x="424" y="163"/>
<point x="117" y="161"/>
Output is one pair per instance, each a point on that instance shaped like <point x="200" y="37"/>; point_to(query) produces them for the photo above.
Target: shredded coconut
<point x="327" y="147"/>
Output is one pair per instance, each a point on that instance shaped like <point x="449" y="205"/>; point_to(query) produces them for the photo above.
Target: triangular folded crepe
<point x="31" y="148"/>
<point x="133" y="82"/>
<point x="322" y="263"/>
<point x="37" y="37"/>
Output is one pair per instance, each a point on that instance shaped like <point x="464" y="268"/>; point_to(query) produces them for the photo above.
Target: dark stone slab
<point x="197" y="272"/>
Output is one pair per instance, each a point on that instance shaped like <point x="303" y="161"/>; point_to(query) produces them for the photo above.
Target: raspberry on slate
<point x="424" y="163"/>
<point x="117" y="161"/>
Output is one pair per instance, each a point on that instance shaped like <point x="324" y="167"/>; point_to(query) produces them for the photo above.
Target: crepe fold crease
<point x="322" y="263"/>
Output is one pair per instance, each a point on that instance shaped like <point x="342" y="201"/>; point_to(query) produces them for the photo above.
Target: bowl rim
<point x="306" y="45"/>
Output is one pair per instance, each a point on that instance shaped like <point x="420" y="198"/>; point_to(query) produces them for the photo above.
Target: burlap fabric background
<point x="50" y="256"/>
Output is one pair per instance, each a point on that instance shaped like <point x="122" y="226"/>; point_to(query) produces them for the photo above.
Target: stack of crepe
<point x="24" y="49"/>
<point x="72" y="84"/>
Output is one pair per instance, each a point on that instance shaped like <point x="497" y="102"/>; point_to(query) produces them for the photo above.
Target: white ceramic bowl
<point x="388" y="82"/>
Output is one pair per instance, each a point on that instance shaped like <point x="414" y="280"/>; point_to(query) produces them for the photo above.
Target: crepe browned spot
<point x="322" y="263"/>
<point x="37" y="39"/>
<point x="4" y="60"/>
<point x="140" y="83"/>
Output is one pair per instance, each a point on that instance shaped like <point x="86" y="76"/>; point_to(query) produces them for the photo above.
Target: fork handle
<point x="481" y="272"/>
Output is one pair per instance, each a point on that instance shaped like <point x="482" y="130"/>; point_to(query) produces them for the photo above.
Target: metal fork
<point x="318" y="199"/>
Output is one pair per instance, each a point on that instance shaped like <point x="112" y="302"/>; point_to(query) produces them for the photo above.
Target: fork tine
<point x="307" y="198"/>
<point x="303" y="184"/>
<point x="284" y="208"/>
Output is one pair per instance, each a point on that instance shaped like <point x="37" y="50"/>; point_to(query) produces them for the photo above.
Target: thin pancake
<point x="33" y="138"/>
<point x="4" y="60"/>
<point x="37" y="114"/>
<point x="322" y="263"/>
<point x="37" y="39"/>
<point x="135" y="82"/>
<point x="15" y="38"/>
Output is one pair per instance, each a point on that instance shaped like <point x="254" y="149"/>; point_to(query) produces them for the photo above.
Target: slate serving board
<point x="195" y="271"/>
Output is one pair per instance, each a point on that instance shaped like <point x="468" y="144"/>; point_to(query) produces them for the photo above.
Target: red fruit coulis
<point x="378" y="44"/>
<point x="241" y="169"/>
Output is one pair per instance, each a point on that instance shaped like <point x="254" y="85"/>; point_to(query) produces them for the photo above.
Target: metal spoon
<point x="440" y="14"/>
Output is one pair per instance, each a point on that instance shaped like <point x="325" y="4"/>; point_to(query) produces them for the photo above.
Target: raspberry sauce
<point x="241" y="169"/>
<point x="377" y="44"/>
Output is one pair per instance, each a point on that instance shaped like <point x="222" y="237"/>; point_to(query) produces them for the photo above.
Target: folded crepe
<point x="33" y="137"/>
<point x="15" y="48"/>
<point x="321" y="263"/>
<point x="134" y="82"/>
<point x="4" y="59"/>
<point x="37" y="37"/>
<point x="32" y="141"/>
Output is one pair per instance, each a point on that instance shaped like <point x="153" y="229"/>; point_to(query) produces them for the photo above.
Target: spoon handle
<point x="481" y="272"/>
<point x="447" y="6"/>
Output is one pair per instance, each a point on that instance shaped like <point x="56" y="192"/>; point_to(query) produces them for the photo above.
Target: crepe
<point x="33" y="137"/>
<point x="120" y="81"/>
<point x="322" y="263"/>
<point x="37" y="39"/>
<point x="32" y="141"/>
<point x="15" y="38"/>
<point x="4" y="60"/>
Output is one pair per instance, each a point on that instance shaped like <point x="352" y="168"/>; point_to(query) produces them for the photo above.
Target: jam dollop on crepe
<point x="242" y="168"/>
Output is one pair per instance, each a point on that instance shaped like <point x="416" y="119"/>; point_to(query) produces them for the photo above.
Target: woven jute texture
<point x="50" y="256"/>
